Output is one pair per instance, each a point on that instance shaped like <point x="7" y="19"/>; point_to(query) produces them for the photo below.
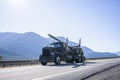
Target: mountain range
<point x="29" y="46"/>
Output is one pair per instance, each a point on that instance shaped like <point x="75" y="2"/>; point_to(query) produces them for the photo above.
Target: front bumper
<point x="47" y="58"/>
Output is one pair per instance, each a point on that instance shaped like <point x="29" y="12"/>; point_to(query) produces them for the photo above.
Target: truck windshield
<point x="55" y="45"/>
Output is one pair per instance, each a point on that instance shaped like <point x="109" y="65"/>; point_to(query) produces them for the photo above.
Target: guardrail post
<point x="31" y="63"/>
<point x="19" y="64"/>
<point x="3" y="65"/>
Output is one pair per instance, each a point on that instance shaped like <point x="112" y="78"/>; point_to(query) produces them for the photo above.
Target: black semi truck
<point x="61" y="51"/>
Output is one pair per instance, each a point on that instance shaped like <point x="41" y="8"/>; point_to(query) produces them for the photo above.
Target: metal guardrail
<point x="102" y="58"/>
<point x="19" y="63"/>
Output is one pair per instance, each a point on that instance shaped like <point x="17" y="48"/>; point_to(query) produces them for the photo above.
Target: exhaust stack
<point x="79" y="43"/>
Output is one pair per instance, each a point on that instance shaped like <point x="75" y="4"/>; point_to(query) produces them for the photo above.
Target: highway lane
<point x="59" y="72"/>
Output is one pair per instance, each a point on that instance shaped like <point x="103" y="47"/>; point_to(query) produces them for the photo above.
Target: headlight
<point x="52" y="53"/>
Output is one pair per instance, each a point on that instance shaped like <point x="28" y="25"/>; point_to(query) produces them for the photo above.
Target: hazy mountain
<point x="7" y="55"/>
<point x="30" y="45"/>
<point x="118" y="53"/>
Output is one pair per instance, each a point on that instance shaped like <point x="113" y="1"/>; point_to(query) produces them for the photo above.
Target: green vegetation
<point x="0" y="58"/>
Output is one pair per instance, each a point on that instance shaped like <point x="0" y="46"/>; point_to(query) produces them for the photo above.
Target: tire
<point x="78" y="60"/>
<point x="57" y="60"/>
<point x="83" y="59"/>
<point x="43" y="63"/>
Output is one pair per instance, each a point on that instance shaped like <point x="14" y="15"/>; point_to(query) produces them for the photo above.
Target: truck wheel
<point x="83" y="59"/>
<point x="43" y="63"/>
<point x="57" y="60"/>
<point x="78" y="60"/>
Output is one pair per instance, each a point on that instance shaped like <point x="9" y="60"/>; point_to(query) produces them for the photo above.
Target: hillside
<point x="30" y="45"/>
<point x="118" y="53"/>
<point x="7" y="55"/>
<point x="27" y="44"/>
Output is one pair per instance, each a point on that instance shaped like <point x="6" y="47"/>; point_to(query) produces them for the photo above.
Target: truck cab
<point x="53" y="53"/>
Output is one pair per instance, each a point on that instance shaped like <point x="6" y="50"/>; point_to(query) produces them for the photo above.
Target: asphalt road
<point x="60" y="72"/>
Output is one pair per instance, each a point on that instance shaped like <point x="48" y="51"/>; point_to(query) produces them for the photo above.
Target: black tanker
<point x="60" y="51"/>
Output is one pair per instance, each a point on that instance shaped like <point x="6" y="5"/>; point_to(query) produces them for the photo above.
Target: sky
<point x="96" y="22"/>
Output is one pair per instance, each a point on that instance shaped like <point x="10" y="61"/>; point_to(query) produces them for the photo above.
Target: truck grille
<point x="45" y="52"/>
